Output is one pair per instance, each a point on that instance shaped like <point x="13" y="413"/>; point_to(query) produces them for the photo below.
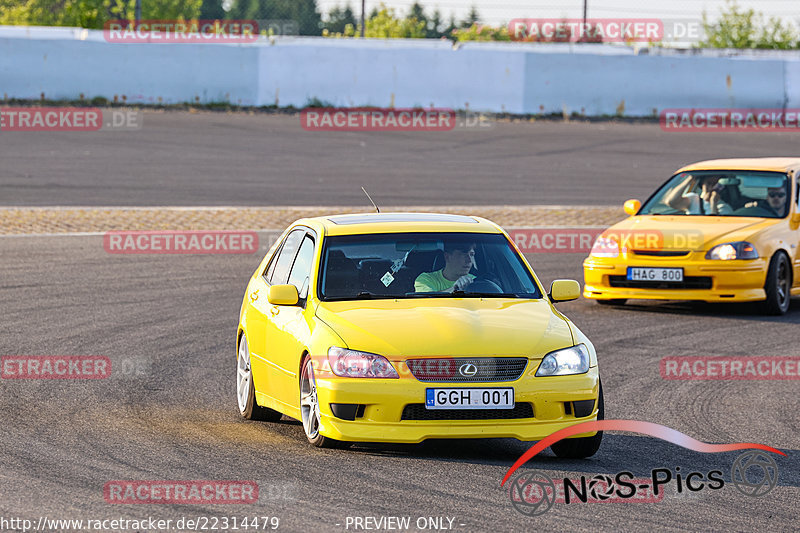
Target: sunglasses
<point x="777" y="194"/>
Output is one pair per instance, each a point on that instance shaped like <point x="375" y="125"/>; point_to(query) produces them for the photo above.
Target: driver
<point x="775" y="201"/>
<point x="459" y="258"/>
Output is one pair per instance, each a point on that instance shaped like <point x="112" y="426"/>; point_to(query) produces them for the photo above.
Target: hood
<point x="697" y="233"/>
<point x="445" y="326"/>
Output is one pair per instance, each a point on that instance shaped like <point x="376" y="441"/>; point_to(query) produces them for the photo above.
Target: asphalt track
<point x="175" y="417"/>
<point x="215" y="158"/>
<point x="167" y="323"/>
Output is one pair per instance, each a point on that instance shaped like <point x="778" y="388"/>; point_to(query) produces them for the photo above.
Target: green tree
<point x="245" y="10"/>
<point x="385" y="24"/>
<point x="477" y="32"/>
<point x="80" y="13"/>
<point x="91" y="13"/>
<point x="744" y="28"/>
<point x="777" y="36"/>
<point x="304" y="12"/>
<point x="339" y="18"/>
<point x="472" y="18"/>
<point x="417" y="12"/>
<point x="435" y="25"/>
<point x="451" y="27"/>
<point x="171" y="9"/>
<point x="212" y="10"/>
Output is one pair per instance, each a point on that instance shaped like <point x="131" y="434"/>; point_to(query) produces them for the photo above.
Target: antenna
<point x="370" y="199"/>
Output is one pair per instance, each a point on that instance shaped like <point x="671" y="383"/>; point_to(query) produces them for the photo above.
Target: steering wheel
<point x="483" y="283"/>
<point x="755" y="211"/>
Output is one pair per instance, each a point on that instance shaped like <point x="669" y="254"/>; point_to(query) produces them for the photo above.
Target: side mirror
<point x="564" y="290"/>
<point x="632" y="207"/>
<point x="283" y="295"/>
<point x="796" y="217"/>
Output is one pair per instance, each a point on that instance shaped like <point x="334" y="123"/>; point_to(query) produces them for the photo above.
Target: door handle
<point x="275" y="310"/>
<point x="254" y="296"/>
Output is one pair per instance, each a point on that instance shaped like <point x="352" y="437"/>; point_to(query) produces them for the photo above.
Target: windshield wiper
<point x="363" y="295"/>
<point x="486" y="294"/>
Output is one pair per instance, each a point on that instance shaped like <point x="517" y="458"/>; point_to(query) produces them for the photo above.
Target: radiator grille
<point x="467" y="369"/>
<point x="417" y="411"/>
<point x="689" y="282"/>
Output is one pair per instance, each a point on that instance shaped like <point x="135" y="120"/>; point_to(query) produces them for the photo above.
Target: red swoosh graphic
<point x="636" y="426"/>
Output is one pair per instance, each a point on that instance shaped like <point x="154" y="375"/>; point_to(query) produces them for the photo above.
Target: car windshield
<point x="423" y="265"/>
<point x="722" y="193"/>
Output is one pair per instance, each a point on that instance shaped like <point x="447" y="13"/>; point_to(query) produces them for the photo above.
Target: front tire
<point x="582" y="447"/>
<point x="778" y="285"/>
<point x="246" y="390"/>
<point x="309" y="409"/>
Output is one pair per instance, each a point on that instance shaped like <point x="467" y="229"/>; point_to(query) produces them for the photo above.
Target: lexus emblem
<point x="468" y="370"/>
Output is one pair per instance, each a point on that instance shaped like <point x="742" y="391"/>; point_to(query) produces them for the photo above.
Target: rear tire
<point x="246" y="390"/>
<point x="615" y="301"/>
<point x="309" y="409"/>
<point x="582" y="447"/>
<point x="778" y="285"/>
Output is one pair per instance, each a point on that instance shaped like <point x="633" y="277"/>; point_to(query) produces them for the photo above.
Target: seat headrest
<point x="424" y="261"/>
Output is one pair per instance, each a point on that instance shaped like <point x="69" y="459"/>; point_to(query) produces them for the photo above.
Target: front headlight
<point x="732" y="250"/>
<point x="605" y="247"/>
<point x="574" y="360"/>
<point x="353" y="364"/>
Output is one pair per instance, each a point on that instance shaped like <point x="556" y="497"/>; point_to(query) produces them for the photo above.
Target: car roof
<point x="774" y="164"/>
<point x="363" y="223"/>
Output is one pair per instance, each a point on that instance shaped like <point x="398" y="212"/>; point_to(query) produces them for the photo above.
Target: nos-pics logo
<point x="754" y="473"/>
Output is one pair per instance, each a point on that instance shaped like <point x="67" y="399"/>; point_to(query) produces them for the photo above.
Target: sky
<point x="497" y="12"/>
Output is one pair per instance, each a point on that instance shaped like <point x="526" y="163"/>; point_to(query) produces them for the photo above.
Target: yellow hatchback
<point x="401" y="327"/>
<point x="718" y="231"/>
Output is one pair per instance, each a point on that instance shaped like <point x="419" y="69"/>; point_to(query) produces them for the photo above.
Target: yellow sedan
<point x="403" y="327"/>
<point x="718" y="231"/>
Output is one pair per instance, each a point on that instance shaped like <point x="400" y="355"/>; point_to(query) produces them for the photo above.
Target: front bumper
<point x="385" y="399"/>
<point x="727" y="281"/>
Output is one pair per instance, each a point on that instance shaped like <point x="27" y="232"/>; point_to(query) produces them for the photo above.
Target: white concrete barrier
<point x="64" y="63"/>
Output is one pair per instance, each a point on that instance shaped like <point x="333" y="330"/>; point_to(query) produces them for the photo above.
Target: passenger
<point x="459" y="258"/>
<point x="708" y="202"/>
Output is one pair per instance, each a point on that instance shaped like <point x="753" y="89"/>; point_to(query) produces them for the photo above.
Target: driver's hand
<point x="751" y="204"/>
<point x="462" y="283"/>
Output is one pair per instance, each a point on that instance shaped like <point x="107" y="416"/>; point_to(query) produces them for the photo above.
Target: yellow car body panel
<point x="401" y="329"/>
<point x="731" y="280"/>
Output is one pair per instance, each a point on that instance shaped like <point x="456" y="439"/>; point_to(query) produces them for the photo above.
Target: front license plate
<point x="500" y="398"/>
<point x="655" y="274"/>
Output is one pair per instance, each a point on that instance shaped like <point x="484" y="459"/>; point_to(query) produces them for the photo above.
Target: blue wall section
<point x="64" y="63"/>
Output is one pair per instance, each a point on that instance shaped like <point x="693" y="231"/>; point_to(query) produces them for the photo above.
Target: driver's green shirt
<point x="434" y="282"/>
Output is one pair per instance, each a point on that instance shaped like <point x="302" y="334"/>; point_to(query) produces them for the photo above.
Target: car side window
<point x="278" y="272"/>
<point x="301" y="270"/>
